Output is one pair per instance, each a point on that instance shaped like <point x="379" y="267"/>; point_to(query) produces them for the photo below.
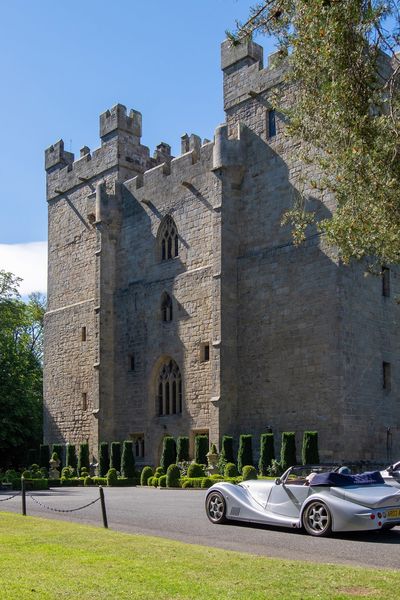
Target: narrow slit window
<point x="386" y="376"/>
<point x="271" y="123"/>
<point x="205" y="352"/>
<point x="132" y="362"/>
<point x="385" y="281"/>
<point x="166" y="308"/>
<point x="84" y="401"/>
<point x="83" y="334"/>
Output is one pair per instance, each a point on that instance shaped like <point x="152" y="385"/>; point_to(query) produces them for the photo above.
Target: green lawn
<point x="46" y="559"/>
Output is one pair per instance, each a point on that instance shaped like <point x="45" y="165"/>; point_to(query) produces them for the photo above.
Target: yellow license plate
<point x="393" y="514"/>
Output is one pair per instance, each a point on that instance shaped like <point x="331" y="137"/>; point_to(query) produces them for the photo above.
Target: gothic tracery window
<point x="168" y="239"/>
<point x="166" y="308"/>
<point x="169" y="389"/>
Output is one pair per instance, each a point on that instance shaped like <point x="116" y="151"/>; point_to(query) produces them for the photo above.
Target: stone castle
<point x="178" y="304"/>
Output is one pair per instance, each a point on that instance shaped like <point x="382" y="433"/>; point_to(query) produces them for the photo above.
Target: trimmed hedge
<point x="288" y="450"/>
<point x="227" y="449"/>
<point x="168" y="456"/>
<point x="33" y="456"/>
<point x="145" y="475"/>
<point x="83" y="458"/>
<point x="59" y="449"/>
<point x="104" y="459"/>
<point x="127" y="460"/>
<point x="245" y="453"/>
<point x="173" y="476"/>
<point x="195" y="470"/>
<point x="112" y="477"/>
<point x="31" y="484"/>
<point x="71" y="459"/>
<point x="309" y="451"/>
<point x="182" y="449"/>
<point x="249" y="472"/>
<point x="267" y="453"/>
<point x="200" y="449"/>
<point x="162" y="482"/>
<point x="230" y="470"/>
<point x="44" y="455"/>
<point x="115" y="456"/>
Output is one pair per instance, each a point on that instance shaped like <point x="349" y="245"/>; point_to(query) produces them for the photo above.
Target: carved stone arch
<point x="168" y="388"/>
<point x="167" y="239"/>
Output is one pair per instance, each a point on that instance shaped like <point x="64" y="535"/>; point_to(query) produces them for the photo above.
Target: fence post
<point x="103" y="507"/>
<point x="23" y="495"/>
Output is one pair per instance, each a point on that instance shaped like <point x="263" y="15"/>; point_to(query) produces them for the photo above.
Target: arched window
<point x="168" y="239"/>
<point x="166" y="308"/>
<point x="169" y="389"/>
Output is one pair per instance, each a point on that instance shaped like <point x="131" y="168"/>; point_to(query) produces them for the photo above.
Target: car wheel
<point x="317" y="519"/>
<point x="216" y="507"/>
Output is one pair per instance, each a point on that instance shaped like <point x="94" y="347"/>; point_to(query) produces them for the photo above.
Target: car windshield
<point x="301" y="475"/>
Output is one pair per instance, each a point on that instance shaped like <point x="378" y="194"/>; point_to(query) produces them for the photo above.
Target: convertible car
<point x="391" y="474"/>
<point x="320" y="501"/>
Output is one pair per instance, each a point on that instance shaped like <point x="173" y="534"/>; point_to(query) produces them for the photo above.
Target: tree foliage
<point x="342" y="60"/>
<point x="21" y="396"/>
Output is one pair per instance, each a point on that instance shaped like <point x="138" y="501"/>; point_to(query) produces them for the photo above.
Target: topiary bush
<point x="67" y="472"/>
<point x="59" y="450"/>
<point x="309" y="451"/>
<point x="145" y="475"/>
<point x="104" y="459"/>
<point x="83" y="458"/>
<point x="249" y="472"/>
<point x="200" y="449"/>
<point x="154" y="481"/>
<point x="168" y="455"/>
<point x="88" y="481"/>
<point x="230" y="470"/>
<point x="115" y="456"/>
<point x="267" y="453"/>
<point x="186" y="484"/>
<point x="162" y="482"/>
<point x="195" y="470"/>
<point x="206" y="482"/>
<point x="182" y="449"/>
<point x="245" y="453"/>
<point x="159" y="471"/>
<point x="71" y="459"/>
<point x="288" y="450"/>
<point x="112" y="477"/>
<point x="127" y="459"/>
<point x="173" y="476"/>
<point x="44" y="455"/>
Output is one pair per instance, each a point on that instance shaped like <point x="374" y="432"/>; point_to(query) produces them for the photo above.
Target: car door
<point x="286" y="499"/>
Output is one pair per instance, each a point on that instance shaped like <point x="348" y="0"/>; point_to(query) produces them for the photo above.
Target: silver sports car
<point x="391" y="474"/>
<point x="319" y="501"/>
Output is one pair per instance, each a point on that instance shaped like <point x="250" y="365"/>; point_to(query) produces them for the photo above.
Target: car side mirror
<point x="278" y="481"/>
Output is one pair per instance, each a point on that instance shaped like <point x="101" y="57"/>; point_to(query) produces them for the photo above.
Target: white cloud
<point x="28" y="261"/>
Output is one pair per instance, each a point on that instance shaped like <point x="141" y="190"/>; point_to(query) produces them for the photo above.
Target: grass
<point x="47" y="559"/>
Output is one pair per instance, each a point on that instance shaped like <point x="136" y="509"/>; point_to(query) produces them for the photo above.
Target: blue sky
<point x="62" y="64"/>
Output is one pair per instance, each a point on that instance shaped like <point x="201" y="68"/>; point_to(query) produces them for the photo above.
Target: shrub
<point x="168" y="456"/>
<point x="88" y="481"/>
<point x="44" y="472"/>
<point x="33" y="456"/>
<point x="112" y="477"/>
<point x="173" y="476"/>
<point x="195" y="470"/>
<point x="127" y="460"/>
<point x="186" y="484"/>
<point x="227" y="448"/>
<point x="71" y="460"/>
<point x="267" y="453"/>
<point x="154" y="482"/>
<point x="162" y="482"/>
<point x="249" y="472"/>
<point x="206" y="482"/>
<point x="83" y="458"/>
<point x="245" y="454"/>
<point x="213" y="449"/>
<point x="182" y="449"/>
<point x="200" y="449"/>
<point x="288" y="450"/>
<point x="44" y="455"/>
<point x="26" y="474"/>
<point x="230" y="470"/>
<point x="115" y="456"/>
<point x="67" y="472"/>
<point x="309" y="451"/>
<point x="59" y="450"/>
<point x="159" y="471"/>
<point x="99" y="480"/>
<point x="104" y="459"/>
<point x="84" y="472"/>
<point x="275" y="470"/>
<point x="145" y="475"/>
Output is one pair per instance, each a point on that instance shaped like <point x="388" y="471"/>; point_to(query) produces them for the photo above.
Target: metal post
<point x="23" y="495"/>
<point x="103" y="507"/>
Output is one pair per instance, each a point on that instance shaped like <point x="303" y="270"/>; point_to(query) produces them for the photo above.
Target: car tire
<point x="216" y="508"/>
<point x="317" y="519"/>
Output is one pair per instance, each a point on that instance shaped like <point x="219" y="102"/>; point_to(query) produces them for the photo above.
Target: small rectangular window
<point x="385" y="281"/>
<point x="132" y="362"/>
<point x="205" y="352"/>
<point x="83" y="334"/>
<point x="386" y="376"/>
<point x="271" y="123"/>
<point x="84" y="401"/>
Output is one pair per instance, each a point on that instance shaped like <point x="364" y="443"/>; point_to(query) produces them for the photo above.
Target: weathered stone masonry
<point x="258" y="332"/>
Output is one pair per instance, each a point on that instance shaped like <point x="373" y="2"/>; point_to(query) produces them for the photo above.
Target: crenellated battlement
<point x="116" y="119"/>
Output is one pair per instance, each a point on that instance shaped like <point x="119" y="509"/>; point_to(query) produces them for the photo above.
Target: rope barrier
<point x="10" y="497"/>
<point x="59" y="510"/>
